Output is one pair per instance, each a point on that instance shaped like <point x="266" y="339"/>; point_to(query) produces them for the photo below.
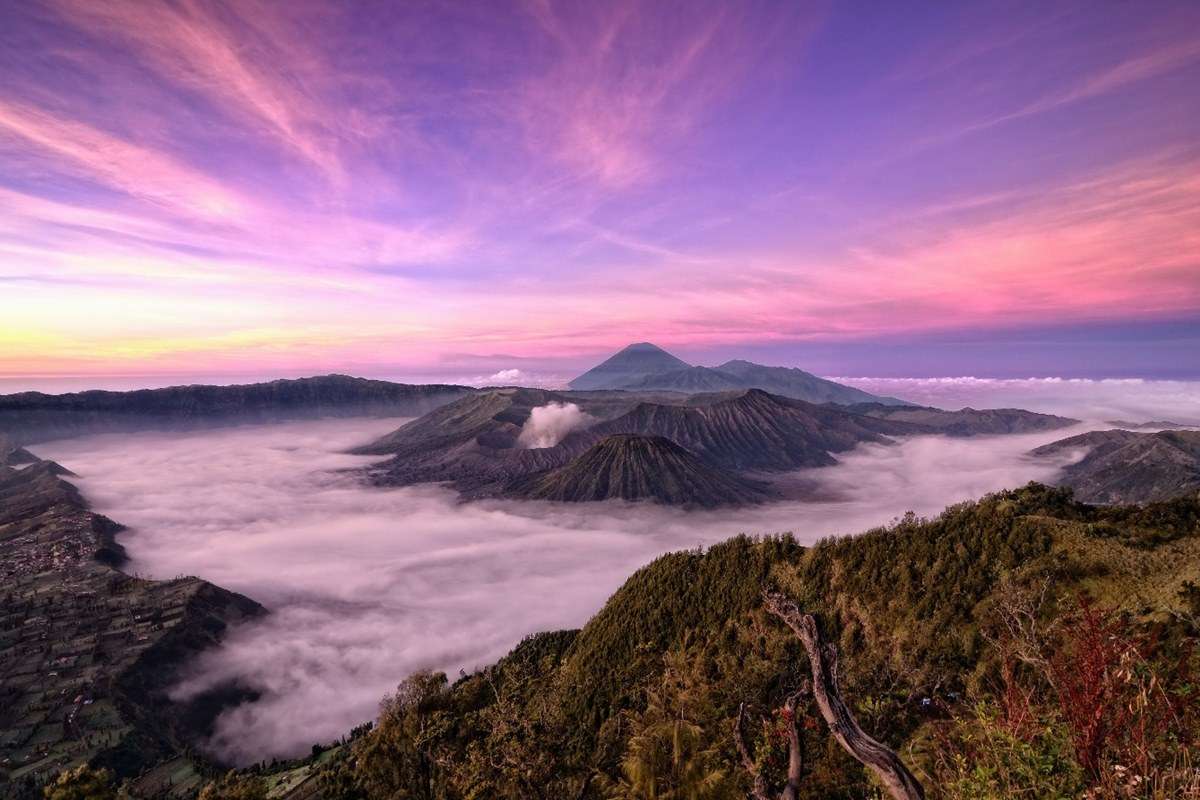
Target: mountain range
<point x="966" y="421"/>
<point x="88" y="653"/>
<point x="643" y="367"/>
<point x="475" y="443"/>
<point x="31" y="417"/>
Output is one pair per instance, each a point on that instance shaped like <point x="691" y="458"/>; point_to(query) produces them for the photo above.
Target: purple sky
<point x="448" y="188"/>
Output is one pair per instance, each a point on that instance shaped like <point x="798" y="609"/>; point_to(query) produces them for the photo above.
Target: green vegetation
<point x="82" y="783"/>
<point x="235" y="787"/>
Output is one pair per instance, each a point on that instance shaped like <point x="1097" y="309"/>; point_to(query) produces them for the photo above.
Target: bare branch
<point x="899" y="782"/>
<point x="760" y="785"/>
<point x="795" y="746"/>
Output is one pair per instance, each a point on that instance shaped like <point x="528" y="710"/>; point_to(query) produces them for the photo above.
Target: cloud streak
<point x="262" y="76"/>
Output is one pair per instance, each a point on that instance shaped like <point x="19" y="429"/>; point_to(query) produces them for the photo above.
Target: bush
<point x="82" y="783"/>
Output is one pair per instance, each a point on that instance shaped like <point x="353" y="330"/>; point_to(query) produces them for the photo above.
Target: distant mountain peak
<point x="633" y="363"/>
<point x="741" y="374"/>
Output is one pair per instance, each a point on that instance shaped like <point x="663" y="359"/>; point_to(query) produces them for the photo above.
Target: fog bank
<point x="1126" y="399"/>
<point x="367" y="585"/>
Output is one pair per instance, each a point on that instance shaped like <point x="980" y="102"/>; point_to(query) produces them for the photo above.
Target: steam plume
<point x="549" y="424"/>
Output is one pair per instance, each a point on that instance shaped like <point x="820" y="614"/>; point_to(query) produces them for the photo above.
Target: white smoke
<point x="549" y="424"/>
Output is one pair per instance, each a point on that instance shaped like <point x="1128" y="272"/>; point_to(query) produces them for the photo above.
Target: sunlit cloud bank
<point x="367" y="585"/>
<point x="1128" y="400"/>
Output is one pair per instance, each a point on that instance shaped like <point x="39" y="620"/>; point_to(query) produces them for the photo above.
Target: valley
<point x="442" y="540"/>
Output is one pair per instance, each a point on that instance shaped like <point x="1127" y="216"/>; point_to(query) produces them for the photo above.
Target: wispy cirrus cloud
<point x="1157" y="60"/>
<point x="253" y="63"/>
<point x="338" y="183"/>
<point x="617" y="96"/>
<point x="62" y="144"/>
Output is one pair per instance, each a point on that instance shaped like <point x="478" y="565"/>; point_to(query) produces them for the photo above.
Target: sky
<point x="459" y="189"/>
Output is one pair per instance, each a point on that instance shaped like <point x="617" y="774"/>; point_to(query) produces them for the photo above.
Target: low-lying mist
<point x="1123" y="399"/>
<point x="367" y="585"/>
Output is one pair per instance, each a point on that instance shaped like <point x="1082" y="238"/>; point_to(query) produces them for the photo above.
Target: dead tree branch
<point x="822" y="657"/>
<point x="760" y="784"/>
<point x="795" y="754"/>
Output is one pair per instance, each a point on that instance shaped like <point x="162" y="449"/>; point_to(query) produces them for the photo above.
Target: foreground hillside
<point x="1025" y="645"/>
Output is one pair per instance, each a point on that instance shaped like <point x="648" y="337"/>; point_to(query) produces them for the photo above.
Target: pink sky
<point x="205" y="188"/>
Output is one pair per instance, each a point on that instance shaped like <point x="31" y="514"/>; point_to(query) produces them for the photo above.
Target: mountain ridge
<point x="474" y="443"/>
<point x="116" y="641"/>
<point x="1121" y="466"/>
<point x="33" y="417"/>
<point x="646" y="367"/>
<point x="628" y="365"/>
<point x="755" y="430"/>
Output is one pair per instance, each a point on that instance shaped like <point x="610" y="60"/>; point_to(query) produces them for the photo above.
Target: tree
<point x="401" y="757"/>
<point x="82" y="783"/>
<point x="669" y="755"/>
<point x="235" y="787"/>
<point x="795" y="765"/>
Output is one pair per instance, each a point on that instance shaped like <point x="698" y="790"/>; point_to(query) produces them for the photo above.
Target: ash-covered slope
<point x="87" y="653"/>
<point x="474" y="442"/>
<point x="968" y="421"/>
<point x="631" y="365"/>
<point x="31" y="417"/>
<point x="631" y="467"/>
<point x="495" y="417"/>
<point x="754" y="430"/>
<point x="12" y="454"/>
<point x="1127" y="467"/>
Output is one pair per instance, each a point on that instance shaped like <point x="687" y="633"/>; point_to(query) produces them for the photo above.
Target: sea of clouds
<point x="1124" y="399"/>
<point x="366" y="585"/>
